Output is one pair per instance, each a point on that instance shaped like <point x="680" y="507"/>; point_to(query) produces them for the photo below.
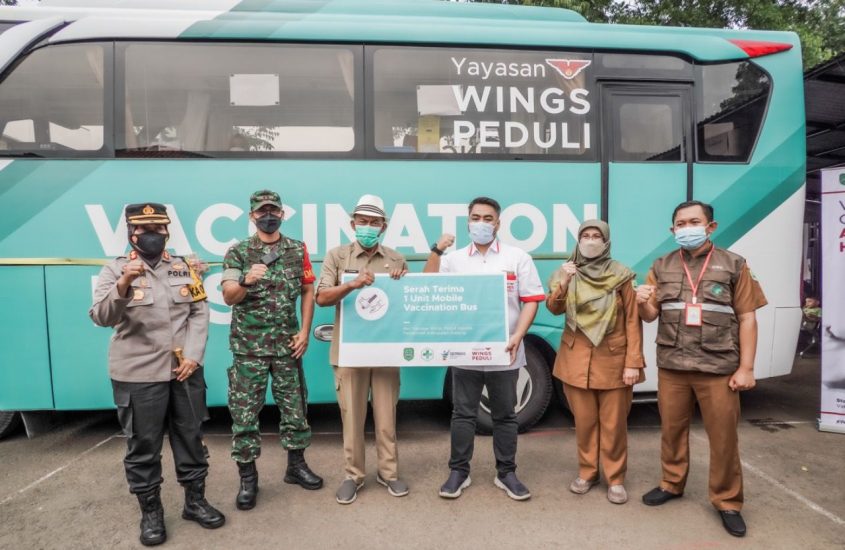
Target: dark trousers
<point x="145" y="410"/>
<point x="467" y="386"/>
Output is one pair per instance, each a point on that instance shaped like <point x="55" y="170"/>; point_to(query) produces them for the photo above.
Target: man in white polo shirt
<point x="486" y="254"/>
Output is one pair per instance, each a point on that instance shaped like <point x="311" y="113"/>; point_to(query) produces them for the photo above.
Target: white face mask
<point x="481" y="232"/>
<point x="591" y="248"/>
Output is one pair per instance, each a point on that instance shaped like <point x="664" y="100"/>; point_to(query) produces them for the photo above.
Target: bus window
<point x="52" y="102"/>
<point x="731" y="107"/>
<point x="222" y="98"/>
<point x="468" y="102"/>
<point x="647" y="128"/>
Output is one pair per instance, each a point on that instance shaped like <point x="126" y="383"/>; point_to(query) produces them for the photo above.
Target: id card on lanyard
<point x="692" y="312"/>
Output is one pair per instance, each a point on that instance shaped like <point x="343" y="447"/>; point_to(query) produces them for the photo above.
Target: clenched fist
<point x="445" y="241"/>
<point x="644" y="293"/>
<point x="255" y="274"/>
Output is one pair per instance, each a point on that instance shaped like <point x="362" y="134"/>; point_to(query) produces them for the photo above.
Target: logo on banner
<point x="482" y="354"/>
<point x="446" y="354"/>
<point x="842" y="179"/>
<point x="408" y="354"/>
<point x="371" y="304"/>
<point x="427" y="354"/>
<point x="569" y="68"/>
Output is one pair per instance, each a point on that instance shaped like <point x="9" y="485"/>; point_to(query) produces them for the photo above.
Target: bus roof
<point x="378" y="21"/>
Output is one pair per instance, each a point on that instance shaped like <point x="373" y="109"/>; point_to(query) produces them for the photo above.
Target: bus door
<point x="646" y="166"/>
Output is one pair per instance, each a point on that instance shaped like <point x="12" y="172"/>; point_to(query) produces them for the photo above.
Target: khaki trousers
<point x="601" y="431"/>
<point x="677" y="392"/>
<point x="354" y="385"/>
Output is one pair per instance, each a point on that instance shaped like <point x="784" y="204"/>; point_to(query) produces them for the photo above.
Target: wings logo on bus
<point x="569" y="68"/>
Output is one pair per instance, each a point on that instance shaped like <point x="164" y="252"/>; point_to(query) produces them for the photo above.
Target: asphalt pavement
<point x="66" y="489"/>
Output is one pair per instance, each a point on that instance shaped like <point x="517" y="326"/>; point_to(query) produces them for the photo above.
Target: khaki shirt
<point x="351" y="258"/>
<point x="164" y="309"/>
<point x="728" y="283"/>
<point x="580" y="364"/>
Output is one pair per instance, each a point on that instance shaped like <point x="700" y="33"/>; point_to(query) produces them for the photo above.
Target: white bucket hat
<point x="370" y="205"/>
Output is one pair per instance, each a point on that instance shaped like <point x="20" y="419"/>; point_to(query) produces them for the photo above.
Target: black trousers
<point x="467" y="386"/>
<point x="145" y="410"/>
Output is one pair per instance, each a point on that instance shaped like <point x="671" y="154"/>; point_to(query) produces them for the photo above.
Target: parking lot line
<point x="775" y="483"/>
<point x="57" y="470"/>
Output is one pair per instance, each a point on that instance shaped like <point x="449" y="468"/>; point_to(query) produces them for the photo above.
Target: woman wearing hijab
<point x="600" y="356"/>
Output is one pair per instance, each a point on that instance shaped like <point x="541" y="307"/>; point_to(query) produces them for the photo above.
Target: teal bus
<point x="425" y="103"/>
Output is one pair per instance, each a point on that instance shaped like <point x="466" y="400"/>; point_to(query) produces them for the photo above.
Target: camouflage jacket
<point x="264" y="321"/>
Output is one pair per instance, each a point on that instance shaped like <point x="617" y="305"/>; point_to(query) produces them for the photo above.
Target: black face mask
<point x="268" y="223"/>
<point x="150" y="245"/>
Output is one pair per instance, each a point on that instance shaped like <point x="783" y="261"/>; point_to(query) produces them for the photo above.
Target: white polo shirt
<point x="523" y="282"/>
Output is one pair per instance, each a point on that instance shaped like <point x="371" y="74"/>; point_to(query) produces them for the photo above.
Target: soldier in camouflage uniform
<point x="263" y="277"/>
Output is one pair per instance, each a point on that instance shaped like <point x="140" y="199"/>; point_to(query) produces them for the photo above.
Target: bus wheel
<point x="9" y="420"/>
<point x="533" y="393"/>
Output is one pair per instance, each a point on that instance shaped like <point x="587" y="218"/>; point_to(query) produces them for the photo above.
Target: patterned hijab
<point x="591" y="299"/>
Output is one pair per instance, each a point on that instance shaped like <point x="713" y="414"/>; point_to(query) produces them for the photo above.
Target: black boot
<point x="299" y="473"/>
<point x="152" y="518"/>
<point x="249" y="486"/>
<point x="198" y="509"/>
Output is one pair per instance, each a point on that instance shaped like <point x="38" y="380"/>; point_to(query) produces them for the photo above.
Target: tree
<point x="820" y="24"/>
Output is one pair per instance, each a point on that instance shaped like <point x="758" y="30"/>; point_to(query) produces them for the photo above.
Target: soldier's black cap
<point x="263" y="197"/>
<point x="146" y="213"/>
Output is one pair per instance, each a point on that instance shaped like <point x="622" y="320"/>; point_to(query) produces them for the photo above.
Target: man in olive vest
<point x="706" y="298"/>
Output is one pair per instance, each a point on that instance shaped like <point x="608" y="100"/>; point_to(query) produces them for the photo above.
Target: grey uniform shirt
<point x="158" y="314"/>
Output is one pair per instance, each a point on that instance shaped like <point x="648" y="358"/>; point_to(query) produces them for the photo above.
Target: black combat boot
<point x="152" y="518"/>
<point x="198" y="509"/>
<point x="298" y="471"/>
<point x="249" y="486"/>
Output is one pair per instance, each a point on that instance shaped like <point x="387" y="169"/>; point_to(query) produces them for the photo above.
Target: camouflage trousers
<point x="247" y="394"/>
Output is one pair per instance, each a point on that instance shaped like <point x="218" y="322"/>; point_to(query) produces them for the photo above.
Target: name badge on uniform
<point x="692" y="314"/>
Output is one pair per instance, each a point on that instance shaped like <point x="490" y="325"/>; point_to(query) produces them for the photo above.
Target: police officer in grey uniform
<point x="158" y="308"/>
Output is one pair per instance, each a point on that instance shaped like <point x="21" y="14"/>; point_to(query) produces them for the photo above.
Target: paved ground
<point x="66" y="489"/>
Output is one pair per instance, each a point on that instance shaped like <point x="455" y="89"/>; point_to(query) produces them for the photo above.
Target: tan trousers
<point x="677" y="392"/>
<point x="354" y="385"/>
<point x="601" y="430"/>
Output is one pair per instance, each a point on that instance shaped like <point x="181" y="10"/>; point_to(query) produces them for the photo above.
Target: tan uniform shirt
<point x="158" y="314"/>
<point x="351" y="258"/>
<point x="580" y="364"/>
<point x="728" y="283"/>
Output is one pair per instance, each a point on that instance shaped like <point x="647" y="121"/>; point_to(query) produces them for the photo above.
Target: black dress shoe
<point x="733" y="522"/>
<point x="658" y="496"/>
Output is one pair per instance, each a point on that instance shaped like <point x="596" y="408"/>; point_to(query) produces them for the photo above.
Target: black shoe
<point x="455" y="485"/>
<point x="510" y="484"/>
<point x="198" y="509"/>
<point x="248" y="492"/>
<point x="733" y="522"/>
<point x="658" y="496"/>
<point x="299" y="473"/>
<point x="152" y="518"/>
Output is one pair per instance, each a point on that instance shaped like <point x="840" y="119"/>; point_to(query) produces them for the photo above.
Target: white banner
<point x="832" y="414"/>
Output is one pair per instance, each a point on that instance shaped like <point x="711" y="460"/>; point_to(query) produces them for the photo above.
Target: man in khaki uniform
<point x="706" y="299"/>
<point x="364" y="257"/>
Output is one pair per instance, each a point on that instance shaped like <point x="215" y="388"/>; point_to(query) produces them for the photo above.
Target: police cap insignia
<point x="146" y="213"/>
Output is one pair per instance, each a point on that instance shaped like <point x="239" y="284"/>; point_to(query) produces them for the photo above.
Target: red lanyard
<point x="700" y="275"/>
